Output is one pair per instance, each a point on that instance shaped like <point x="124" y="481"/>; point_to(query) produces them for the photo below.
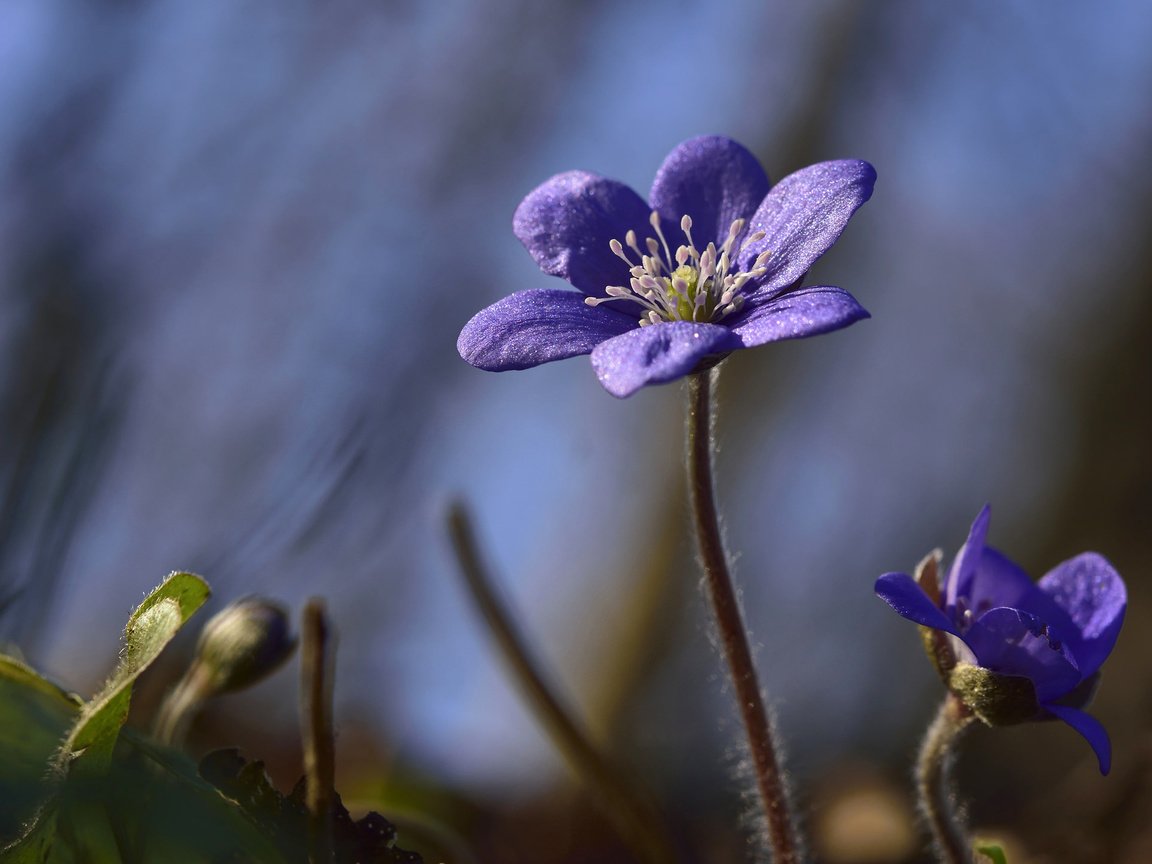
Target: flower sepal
<point x="937" y="645"/>
<point x="997" y="699"/>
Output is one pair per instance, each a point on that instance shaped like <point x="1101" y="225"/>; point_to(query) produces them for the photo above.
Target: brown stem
<point x="627" y="808"/>
<point x="316" y="718"/>
<point x="935" y="788"/>
<point x="782" y="835"/>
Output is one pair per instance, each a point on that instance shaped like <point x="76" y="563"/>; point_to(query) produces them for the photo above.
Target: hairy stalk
<point x="627" y="808"/>
<point x="782" y="835"/>
<point x="934" y="786"/>
<point x="316" y="719"/>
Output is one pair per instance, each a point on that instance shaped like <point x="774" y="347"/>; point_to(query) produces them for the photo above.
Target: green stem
<point x="635" y="819"/>
<point x="935" y="788"/>
<point x="782" y="834"/>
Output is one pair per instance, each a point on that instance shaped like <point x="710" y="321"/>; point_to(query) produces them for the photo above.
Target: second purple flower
<point x="712" y="263"/>
<point x="1042" y="643"/>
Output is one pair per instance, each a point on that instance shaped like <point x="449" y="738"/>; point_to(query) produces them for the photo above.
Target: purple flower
<point x="711" y="264"/>
<point x="1044" y="639"/>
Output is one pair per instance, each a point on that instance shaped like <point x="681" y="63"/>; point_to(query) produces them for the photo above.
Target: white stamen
<point x="618" y="251"/>
<point x="686" y="227"/>
<point x="708" y="262"/>
<point x="690" y="285"/>
<point x="655" y="220"/>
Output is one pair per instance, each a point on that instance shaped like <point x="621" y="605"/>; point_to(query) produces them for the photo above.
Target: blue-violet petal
<point x="900" y="591"/>
<point x="803" y="215"/>
<point x="963" y="570"/>
<point x="1012" y="642"/>
<point x="1092" y="730"/>
<point x="998" y="581"/>
<point x="567" y="222"/>
<point x="712" y="179"/>
<point x="657" y="354"/>
<point x="1092" y="593"/>
<point x="796" y="315"/>
<point x="528" y="328"/>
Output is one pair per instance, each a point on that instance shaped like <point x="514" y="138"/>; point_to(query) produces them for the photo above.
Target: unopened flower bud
<point x="243" y="643"/>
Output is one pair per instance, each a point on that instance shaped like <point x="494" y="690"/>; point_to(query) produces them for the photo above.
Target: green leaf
<point x="157" y="620"/>
<point x="150" y="628"/>
<point x="36" y="844"/>
<point x="65" y="820"/>
<point x="284" y="818"/>
<point x="994" y="852"/>
<point x="150" y="804"/>
<point x="169" y="813"/>
<point x="35" y="714"/>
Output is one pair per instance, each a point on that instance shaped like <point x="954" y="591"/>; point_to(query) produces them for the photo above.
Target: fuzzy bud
<point x="243" y="643"/>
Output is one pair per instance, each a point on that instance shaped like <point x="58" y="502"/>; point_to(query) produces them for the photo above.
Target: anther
<point x="690" y="285"/>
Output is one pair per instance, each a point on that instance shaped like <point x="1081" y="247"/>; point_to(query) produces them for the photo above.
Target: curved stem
<point x="181" y="706"/>
<point x="935" y="788"/>
<point x="628" y="809"/>
<point x="782" y="835"/>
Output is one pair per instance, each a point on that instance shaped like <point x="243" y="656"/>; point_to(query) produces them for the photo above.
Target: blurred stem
<point x="316" y="718"/>
<point x="629" y="811"/>
<point x="934" y="785"/>
<point x="782" y="835"/>
<point x="181" y="705"/>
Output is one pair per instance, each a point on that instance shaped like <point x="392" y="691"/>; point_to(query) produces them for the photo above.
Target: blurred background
<point x="237" y="244"/>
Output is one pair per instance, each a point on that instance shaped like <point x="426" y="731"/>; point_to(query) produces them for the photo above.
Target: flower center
<point x="688" y="286"/>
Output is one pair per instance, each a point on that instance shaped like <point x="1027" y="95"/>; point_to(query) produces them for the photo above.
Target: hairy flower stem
<point x="935" y="788"/>
<point x="629" y="810"/>
<point x="782" y="834"/>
